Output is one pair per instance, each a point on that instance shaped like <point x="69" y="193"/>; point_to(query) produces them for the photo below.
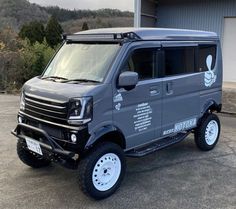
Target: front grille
<point x="46" y="109"/>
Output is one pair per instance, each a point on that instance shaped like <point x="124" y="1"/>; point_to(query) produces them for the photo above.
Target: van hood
<point x="58" y="91"/>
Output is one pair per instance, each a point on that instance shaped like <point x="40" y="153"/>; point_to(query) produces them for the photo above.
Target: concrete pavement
<point x="229" y="99"/>
<point x="178" y="177"/>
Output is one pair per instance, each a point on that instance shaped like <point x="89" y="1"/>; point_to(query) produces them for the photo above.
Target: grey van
<point x="112" y="93"/>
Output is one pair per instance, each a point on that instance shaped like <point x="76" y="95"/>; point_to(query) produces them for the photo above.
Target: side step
<point x="157" y="145"/>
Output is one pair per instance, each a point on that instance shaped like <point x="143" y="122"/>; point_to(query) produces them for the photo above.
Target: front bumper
<point x="50" y="148"/>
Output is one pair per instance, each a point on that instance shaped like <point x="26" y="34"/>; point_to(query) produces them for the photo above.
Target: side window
<point x="142" y="61"/>
<point x="204" y="52"/>
<point x="179" y="60"/>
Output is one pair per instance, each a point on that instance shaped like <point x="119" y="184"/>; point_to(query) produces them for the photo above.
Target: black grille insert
<point x="47" y="109"/>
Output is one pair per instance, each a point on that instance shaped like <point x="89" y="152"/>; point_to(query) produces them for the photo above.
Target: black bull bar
<point x="52" y="146"/>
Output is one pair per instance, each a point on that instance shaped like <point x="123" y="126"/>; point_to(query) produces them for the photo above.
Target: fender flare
<point x="209" y="104"/>
<point x="99" y="133"/>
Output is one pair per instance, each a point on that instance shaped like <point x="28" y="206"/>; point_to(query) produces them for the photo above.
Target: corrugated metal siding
<point x="199" y="14"/>
<point x="149" y="7"/>
<point x="148" y="21"/>
<point x="148" y="12"/>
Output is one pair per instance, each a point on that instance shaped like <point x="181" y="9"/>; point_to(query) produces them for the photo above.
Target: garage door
<point x="229" y="50"/>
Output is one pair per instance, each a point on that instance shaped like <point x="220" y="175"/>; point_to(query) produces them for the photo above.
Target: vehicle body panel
<point x="155" y="108"/>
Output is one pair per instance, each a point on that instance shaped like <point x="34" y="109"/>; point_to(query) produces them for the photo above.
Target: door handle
<point x="154" y="91"/>
<point x="169" y="88"/>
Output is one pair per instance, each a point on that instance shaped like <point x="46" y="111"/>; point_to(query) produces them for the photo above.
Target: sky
<point x="88" y="4"/>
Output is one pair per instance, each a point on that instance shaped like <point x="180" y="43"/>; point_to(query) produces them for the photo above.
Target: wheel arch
<point x="107" y="133"/>
<point x="211" y="106"/>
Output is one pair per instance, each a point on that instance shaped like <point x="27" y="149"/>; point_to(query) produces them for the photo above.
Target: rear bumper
<point x="49" y="146"/>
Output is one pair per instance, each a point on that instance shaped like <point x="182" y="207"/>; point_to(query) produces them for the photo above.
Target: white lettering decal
<point x="167" y="132"/>
<point x="182" y="126"/>
<point x="185" y="125"/>
<point x="142" y="118"/>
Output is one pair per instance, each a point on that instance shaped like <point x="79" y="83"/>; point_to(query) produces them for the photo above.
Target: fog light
<point x="73" y="138"/>
<point x="20" y="119"/>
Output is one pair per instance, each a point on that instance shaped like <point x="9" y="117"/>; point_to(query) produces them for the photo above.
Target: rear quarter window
<point x="203" y="52"/>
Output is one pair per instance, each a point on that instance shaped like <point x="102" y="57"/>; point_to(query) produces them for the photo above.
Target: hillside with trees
<point x="30" y="34"/>
<point x="73" y="21"/>
<point x="64" y="15"/>
<point x="73" y="26"/>
<point x="15" y="13"/>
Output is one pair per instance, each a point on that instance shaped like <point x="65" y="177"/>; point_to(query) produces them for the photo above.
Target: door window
<point x="143" y="61"/>
<point x="179" y="61"/>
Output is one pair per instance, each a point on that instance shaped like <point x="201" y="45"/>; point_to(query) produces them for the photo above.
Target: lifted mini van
<point x="111" y="93"/>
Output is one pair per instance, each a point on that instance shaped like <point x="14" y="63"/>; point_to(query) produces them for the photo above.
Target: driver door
<point x="137" y="112"/>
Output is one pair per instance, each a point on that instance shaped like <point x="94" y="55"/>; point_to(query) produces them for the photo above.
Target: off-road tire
<point x="201" y="132"/>
<point x="88" y="164"/>
<point x="29" y="158"/>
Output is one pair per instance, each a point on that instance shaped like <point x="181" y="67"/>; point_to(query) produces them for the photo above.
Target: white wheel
<point x="211" y="133"/>
<point x="102" y="170"/>
<point x="106" y="172"/>
<point x="207" y="133"/>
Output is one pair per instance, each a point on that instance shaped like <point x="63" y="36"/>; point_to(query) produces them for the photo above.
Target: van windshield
<point x="82" y="62"/>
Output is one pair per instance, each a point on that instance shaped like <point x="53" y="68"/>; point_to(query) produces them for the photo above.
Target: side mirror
<point x="128" y="80"/>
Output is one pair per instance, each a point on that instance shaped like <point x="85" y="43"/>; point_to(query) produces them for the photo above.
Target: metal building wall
<point x="195" y="14"/>
<point x="148" y="13"/>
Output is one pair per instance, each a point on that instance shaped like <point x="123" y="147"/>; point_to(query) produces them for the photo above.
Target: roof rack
<point x="106" y="37"/>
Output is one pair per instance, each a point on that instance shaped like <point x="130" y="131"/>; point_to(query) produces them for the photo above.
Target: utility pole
<point x="137" y="13"/>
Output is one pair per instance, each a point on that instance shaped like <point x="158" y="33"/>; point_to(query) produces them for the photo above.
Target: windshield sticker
<point x="118" y="106"/>
<point x="142" y="117"/>
<point x="210" y="77"/>
<point x="182" y="126"/>
<point x="118" y="98"/>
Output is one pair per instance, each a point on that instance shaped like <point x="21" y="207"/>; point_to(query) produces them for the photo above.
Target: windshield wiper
<point x="55" y="77"/>
<point x="81" y="80"/>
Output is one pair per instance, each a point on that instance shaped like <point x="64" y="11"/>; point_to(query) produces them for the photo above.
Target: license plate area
<point x="33" y="145"/>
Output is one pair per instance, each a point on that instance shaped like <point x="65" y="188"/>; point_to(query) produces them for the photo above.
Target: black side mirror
<point x="128" y="80"/>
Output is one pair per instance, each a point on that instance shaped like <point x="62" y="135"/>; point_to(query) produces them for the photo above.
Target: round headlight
<point x="73" y="138"/>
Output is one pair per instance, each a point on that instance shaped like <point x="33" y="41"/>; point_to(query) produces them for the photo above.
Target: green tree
<point x="20" y="60"/>
<point x="53" y="32"/>
<point x="35" y="58"/>
<point x="10" y="62"/>
<point x="85" y="26"/>
<point x="34" y="31"/>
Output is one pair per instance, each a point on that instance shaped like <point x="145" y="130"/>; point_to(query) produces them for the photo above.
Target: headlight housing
<point x="22" y="101"/>
<point x="80" y="110"/>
